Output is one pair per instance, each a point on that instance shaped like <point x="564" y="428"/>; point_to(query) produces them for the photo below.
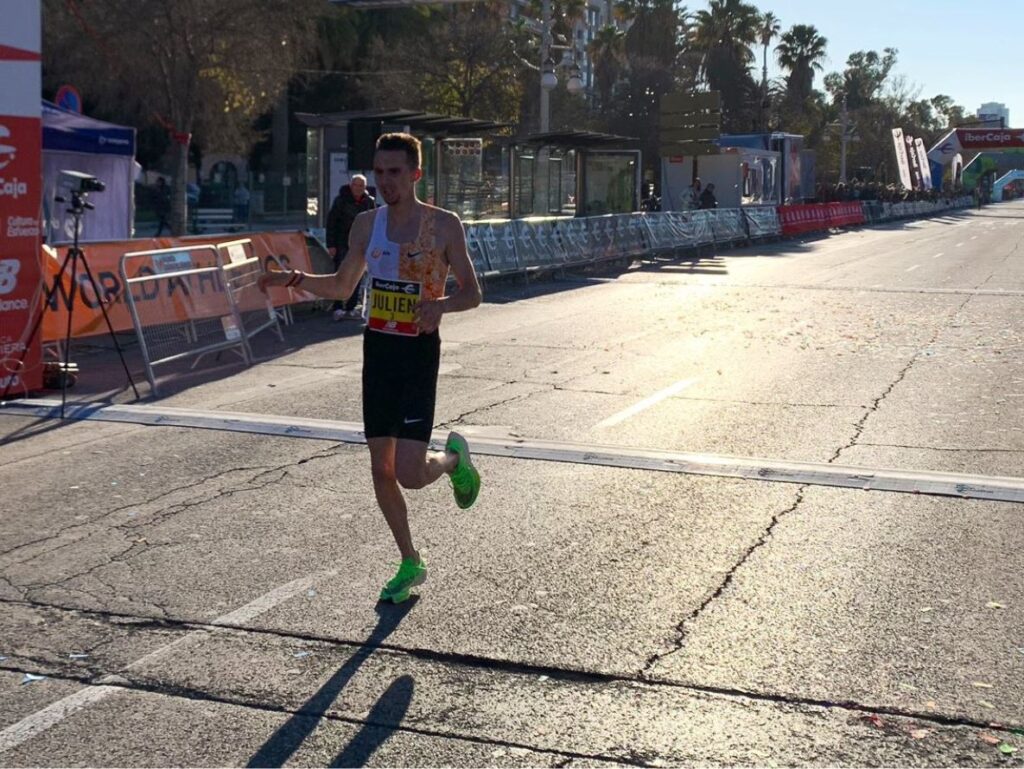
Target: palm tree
<point x="801" y="52"/>
<point x="770" y="28"/>
<point x="607" y="50"/>
<point x="726" y="30"/>
<point x="722" y="36"/>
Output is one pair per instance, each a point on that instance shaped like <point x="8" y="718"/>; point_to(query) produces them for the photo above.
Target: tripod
<point x="75" y="254"/>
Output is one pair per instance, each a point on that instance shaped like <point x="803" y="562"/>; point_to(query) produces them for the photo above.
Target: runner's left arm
<point x="468" y="294"/>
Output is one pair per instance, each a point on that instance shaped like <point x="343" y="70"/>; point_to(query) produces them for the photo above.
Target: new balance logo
<point x="8" y="275"/>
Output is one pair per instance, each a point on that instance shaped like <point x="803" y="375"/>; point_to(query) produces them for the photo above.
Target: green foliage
<point x="723" y="36"/>
<point x="801" y="52"/>
<point x="462" y="60"/>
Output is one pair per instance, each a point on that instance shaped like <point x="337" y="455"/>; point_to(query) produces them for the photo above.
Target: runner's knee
<point x="383" y="474"/>
<point x="411" y="476"/>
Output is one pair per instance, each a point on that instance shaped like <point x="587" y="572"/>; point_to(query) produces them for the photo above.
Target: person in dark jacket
<point x="162" y="205"/>
<point x="352" y="200"/>
<point x="707" y="198"/>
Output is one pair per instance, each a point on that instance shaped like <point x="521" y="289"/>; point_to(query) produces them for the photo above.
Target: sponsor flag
<point x="926" y="170"/>
<point x="902" y="161"/>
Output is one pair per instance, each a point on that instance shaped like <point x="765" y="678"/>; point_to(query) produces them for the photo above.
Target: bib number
<point x="393" y="305"/>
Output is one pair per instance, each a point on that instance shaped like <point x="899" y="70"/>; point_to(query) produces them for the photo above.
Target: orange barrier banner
<point x="287" y="250"/>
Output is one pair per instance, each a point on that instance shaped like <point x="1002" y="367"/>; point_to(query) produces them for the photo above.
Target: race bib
<point x="392" y="305"/>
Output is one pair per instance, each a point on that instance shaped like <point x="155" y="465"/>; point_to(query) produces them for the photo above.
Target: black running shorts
<point x="400" y="384"/>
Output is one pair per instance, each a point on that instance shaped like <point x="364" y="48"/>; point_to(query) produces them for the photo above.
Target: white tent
<point x="73" y="142"/>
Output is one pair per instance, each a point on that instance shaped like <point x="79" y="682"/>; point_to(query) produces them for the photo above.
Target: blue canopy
<point x="71" y="132"/>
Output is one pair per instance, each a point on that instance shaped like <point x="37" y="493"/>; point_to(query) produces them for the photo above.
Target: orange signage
<point x="287" y="249"/>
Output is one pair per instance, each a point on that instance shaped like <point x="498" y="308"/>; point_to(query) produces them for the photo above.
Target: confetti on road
<point x="31" y="678"/>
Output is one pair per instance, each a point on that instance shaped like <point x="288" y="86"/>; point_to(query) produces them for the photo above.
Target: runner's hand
<point x="428" y="315"/>
<point x="268" y="279"/>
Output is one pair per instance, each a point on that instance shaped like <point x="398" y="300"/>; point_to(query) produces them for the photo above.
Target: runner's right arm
<point x="342" y="283"/>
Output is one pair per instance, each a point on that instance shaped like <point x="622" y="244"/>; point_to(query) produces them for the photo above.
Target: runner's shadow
<point x="289" y="737"/>
<point x="390" y="709"/>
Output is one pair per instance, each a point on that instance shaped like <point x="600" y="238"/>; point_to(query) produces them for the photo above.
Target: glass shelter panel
<point x="611" y="182"/>
<point x="474" y="178"/>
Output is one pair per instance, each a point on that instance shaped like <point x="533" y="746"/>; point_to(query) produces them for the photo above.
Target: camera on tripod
<point x="81" y="185"/>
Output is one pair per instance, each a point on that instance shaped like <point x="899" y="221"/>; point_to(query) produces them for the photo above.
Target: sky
<point x="965" y="50"/>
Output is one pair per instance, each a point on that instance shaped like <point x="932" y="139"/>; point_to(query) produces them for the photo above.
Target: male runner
<point x="408" y="248"/>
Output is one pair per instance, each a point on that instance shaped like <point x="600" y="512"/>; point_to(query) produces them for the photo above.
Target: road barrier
<point x="497" y="248"/>
<point x="191" y="301"/>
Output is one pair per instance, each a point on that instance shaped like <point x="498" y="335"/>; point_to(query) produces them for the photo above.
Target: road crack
<point x="681" y="628"/>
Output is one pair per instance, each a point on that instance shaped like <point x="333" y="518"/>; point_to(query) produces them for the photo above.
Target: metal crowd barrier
<point x="762" y="222"/>
<point x="189" y="302"/>
<point x="520" y="246"/>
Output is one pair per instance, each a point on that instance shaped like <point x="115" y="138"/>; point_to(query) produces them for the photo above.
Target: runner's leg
<point x="415" y="467"/>
<point x="389" y="495"/>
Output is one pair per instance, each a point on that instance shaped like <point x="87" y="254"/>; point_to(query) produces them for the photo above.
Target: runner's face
<point x="395" y="179"/>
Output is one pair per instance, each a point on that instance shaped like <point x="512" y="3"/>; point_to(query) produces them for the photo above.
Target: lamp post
<point x="548" y="77"/>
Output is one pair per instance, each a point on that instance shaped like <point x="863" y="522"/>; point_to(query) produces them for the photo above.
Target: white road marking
<point x="911" y="269"/>
<point x="959" y="244"/>
<point x="963" y="486"/>
<point x="53" y="714"/>
<point x="938" y="255"/>
<point x="40" y="721"/>
<point x="646" y="403"/>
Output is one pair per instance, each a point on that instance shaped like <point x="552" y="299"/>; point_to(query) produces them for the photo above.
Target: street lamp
<point x="548" y="76"/>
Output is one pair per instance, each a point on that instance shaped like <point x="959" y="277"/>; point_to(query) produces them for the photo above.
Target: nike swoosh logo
<point x="412" y="421"/>
<point x="413" y="256"/>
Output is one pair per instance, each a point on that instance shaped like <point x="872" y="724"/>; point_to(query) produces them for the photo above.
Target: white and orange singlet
<point x="403" y="274"/>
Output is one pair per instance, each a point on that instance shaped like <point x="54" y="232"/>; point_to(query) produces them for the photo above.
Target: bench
<point x="212" y="220"/>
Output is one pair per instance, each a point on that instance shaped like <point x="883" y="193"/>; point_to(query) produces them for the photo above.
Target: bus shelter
<point x="574" y="173"/>
<point x="466" y="162"/>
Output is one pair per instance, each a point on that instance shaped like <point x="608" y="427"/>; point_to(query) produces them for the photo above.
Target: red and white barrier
<point x="814" y="217"/>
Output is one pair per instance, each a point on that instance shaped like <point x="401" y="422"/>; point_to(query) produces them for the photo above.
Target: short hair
<point x="402" y="142"/>
<point x="358" y="177"/>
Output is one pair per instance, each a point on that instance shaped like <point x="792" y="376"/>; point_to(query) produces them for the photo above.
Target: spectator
<point x="707" y="198"/>
<point x="695" y="194"/>
<point x="241" y="201"/>
<point x="352" y="200"/>
<point x="162" y="205"/>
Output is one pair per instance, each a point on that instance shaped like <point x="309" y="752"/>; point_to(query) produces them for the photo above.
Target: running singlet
<point x="402" y="274"/>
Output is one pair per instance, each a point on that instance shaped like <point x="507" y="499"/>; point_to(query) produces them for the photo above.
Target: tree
<point x="723" y="35"/>
<point x="770" y="28"/>
<point x="655" y="65"/>
<point x="607" y="50"/>
<point x="862" y="80"/>
<point x="801" y="52"/>
<point x="195" y="67"/>
<point x="461" y="61"/>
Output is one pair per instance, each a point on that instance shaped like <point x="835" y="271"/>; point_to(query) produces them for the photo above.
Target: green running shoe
<point x="410" y="574"/>
<point x="464" y="478"/>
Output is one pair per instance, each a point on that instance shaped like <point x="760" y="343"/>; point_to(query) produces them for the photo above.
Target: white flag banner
<point x="902" y="161"/>
<point x="926" y="169"/>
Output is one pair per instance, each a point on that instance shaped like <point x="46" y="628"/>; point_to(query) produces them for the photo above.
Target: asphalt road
<point x="207" y="596"/>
